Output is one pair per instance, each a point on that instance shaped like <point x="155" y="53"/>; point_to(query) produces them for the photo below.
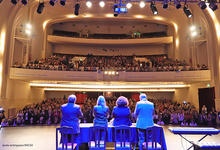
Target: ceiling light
<point x="142" y="4"/>
<point x="192" y="28"/>
<point x="28" y="26"/>
<point x="111" y="90"/>
<point x="102" y="4"/>
<point x="194" y="33"/>
<point x="129" y="5"/>
<point x="89" y="4"/>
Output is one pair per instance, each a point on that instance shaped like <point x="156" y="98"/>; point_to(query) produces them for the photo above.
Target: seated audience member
<point x="121" y="113"/>
<point x="101" y="112"/>
<point x="70" y="117"/>
<point x="144" y="112"/>
<point x="4" y="123"/>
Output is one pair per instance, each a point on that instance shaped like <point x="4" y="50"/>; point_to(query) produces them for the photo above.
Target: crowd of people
<point x="113" y="63"/>
<point x="165" y="112"/>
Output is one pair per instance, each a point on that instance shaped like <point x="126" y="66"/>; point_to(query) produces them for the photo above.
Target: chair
<point x="65" y="131"/>
<point x="97" y="138"/>
<point x="153" y="139"/>
<point x="122" y="138"/>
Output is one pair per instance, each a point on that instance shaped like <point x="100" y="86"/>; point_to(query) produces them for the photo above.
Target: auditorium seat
<point x="153" y="138"/>
<point x="97" y="138"/>
<point x="122" y="138"/>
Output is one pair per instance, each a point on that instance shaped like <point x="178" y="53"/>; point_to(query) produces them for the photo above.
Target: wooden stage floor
<point x="43" y="138"/>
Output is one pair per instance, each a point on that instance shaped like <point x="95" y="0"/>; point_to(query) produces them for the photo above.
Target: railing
<point x="172" y="76"/>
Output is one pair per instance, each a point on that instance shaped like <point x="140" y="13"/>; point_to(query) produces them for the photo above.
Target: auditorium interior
<point x="50" y="49"/>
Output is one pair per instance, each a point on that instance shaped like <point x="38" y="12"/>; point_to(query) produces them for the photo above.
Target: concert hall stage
<point x="44" y="138"/>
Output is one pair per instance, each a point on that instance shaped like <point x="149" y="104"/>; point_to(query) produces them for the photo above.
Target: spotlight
<point x="102" y="4"/>
<point x="142" y="4"/>
<point x="202" y="5"/>
<point x="115" y="12"/>
<point x="165" y="4"/>
<point x="187" y="12"/>
<point x="52" y="2"/>
<point x="63" y="2"/>
<point x="24" y="2"/>
<point x="89" y="4"/>
<point x="14" y="2"/>
<point x="129" y="5"/>
<point x="40" y="8"/>
<point x="153" y="8"/>
<point x="77" y="6"/>
<point x="213" y="5"/>
<point x="177" y="3"/>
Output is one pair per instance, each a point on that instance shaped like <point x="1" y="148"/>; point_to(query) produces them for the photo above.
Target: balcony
<point x="51" y="75"/>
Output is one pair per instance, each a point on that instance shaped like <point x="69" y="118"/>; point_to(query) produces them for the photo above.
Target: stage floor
<point x="43" y="138"/>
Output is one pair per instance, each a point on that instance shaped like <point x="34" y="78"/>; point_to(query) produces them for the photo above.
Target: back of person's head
<point x="122" y="101"/>
<point x="101" y="101"/>
<point x="72" y="99"/>
<point x="143" y="96"/>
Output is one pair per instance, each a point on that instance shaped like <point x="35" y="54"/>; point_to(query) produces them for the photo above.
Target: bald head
<point x="72" y="99"/>
<point x="143" y="96"/>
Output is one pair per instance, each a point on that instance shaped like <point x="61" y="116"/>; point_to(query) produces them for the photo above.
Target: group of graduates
<point x="71" y="113"/>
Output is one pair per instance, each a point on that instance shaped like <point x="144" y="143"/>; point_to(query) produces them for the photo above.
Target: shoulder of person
<point x="76" y="106"/>
<point x="64" y="105"/>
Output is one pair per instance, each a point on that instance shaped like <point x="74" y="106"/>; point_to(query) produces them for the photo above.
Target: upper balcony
<point x="51" y="75"/>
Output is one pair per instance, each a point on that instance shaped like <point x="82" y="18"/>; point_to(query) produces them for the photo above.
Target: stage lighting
<point x="102" y="4"/>
<point x="40" y="8"/>
<point x="142" y="4"/>
<point x="213" y="5"/>
<point x="52" y="2"/>
<point x="202" y="5"/>
<point x="89" y="4"/>
<point x="14" y="2"/>
<point x="115" y="8"/>
<point x="177" y="3"/>
<point x="63" y="2"/>
<point x="187" y="12"/>
<point x="77" y="6"/>
<point x="153" y="8"/>
<point x="129" y="5"/>
<point x="165" y="4"/>
<point x="24" y="2"/>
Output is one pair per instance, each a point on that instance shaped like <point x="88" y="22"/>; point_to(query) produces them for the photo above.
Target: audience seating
<point x="122" y="138"/>
<point x="153" y="139"/>
<point x="97" y="137"/>
<point x="66" y="144"/>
